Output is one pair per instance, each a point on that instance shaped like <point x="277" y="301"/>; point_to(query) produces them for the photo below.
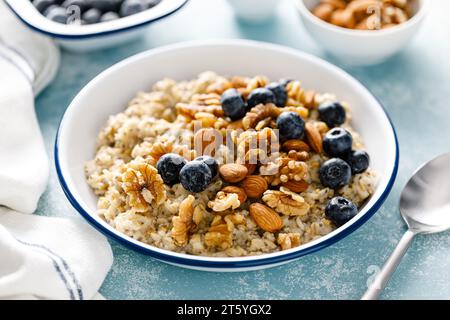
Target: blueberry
<point x="260" y="95"/>
<point x="92" y="16"/>
<point x="169" y="166"/>
<point x="284" y="82"/>
<point x="358" y="160"/>
<point x="280" y="93"/>
<point x="335" y="173"/>
<point x="340" y="210"/>
<point x="195" y="176"/>
<point x="130" y="7"/>
<point x="337" y="143"/>
<point x="151" y="3"/>
<point x="290" y="125"/>
<point x="233" y="104"/>
<point x="332" y="113"/>
<point x="211" y="163"/>
<point x="105" y="5"/>
<point x="81" y="4"/>
<point x="42" y="5"/>
<point x="57" y="14"/>
<point x="109" y="16"/>
<point x="46" y="11"/>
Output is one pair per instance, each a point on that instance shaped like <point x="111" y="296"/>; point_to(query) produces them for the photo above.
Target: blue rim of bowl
<point x="230" y="265"/>
<point x="97" y="34"/>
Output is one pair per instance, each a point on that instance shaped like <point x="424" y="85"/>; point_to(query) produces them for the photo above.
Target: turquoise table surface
<point x="414" y="87"/>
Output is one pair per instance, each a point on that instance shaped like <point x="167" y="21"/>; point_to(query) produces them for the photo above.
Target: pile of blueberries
<point x="91" y="11"/>
<point x="337" y="143"/>
<point x="334" y="173"/>
<point x="194" y="176"/>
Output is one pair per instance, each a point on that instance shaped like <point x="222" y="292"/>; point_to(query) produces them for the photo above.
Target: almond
<point x="297" y="145"/>
<point x="296" y="186"/>
<point x="233" y="172"/>
<point x="250" y="167"/>
<point x="340" y="4"/>
<point x="266" y="218"/>
<point x="314" y="137"/>
<point x="309" y="99"/>
<point x="323" y="11"/>
<point x="254" y="186"/>
<point x="242" y="196"/>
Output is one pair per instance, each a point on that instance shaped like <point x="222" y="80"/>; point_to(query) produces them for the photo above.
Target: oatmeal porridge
<point x="230" y="166"/>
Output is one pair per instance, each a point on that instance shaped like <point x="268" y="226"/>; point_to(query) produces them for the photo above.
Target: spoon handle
<point x="389" y="267"/>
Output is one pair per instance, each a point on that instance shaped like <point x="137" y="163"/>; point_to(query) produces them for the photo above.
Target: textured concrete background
<point x="413" y="86"/>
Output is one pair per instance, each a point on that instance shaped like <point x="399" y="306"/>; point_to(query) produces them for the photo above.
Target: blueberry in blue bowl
<point x="260" y="96"/>
<point x="169" y="167"/>
<point x="279" y="90"/>
<point x="291" y="125"/>
<point x="332" y="113"/>
<point x="233" y="104"/>
<point x="340" y="210"/>
<point x="337" y="143"/>
<point x="195" y="176"/>
<point x="335" y="173"/>
<point x="359" y="161"/>
<point x="211" y="163"/>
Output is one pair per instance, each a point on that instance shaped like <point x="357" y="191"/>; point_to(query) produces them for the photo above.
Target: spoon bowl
<point x="425" y="207"/>
<point x="425" y="201"/>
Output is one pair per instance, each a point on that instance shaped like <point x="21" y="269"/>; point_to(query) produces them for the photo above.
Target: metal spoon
<point x="425" y="207"/>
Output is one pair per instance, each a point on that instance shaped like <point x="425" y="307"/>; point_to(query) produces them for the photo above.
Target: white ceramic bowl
<point x="95" y="36"/>
<point x="110" y="92"/>
<point x="361" y="47"/>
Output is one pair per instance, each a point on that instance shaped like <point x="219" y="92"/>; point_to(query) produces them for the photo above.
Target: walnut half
<point x="183" y="223"/>
<point x="144" y="186"/>
<point x="286" y="202"/>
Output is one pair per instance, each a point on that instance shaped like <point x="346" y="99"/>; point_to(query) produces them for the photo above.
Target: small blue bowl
<point x="89" y="111"/>
<point x="95" y="36"/>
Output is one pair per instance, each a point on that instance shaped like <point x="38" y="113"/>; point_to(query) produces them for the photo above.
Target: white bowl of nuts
<point x="325" y="159"/>
<point x="362" y="32"/>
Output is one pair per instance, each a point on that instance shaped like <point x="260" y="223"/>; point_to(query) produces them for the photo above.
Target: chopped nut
<point x="258" y="113"/>
<point x="296" y="186"/>
<point x="159" y="149"/>
<point x="254" y="186"/>
<point x="298" y="155"/>
<point x="265" y="218"/>
<point x="284" y="169"/>
<point x="286" y="202"/>
<point x="183" y="222"/>
<point x="224" y="201"/>
<point x="189" y="110"/>
<point x="288" y="240"/>
<point x="242" y="196"/>
<point x="323" y="11"/>
<point x="300" y="110"/>
<point x="144" y="186"/>
<point x="198" y="215"/>
<point x="343" y="18"/>
<point x="207" y="141"/>
<point x="364" y="14"/>
<point x="208" y="99"/>
<point x="220" y="234"/>
<point x="297" y="145"/>
<point x="339" y="4"/>
<point x="314" y="137"/>
<point x="233" y="172"/>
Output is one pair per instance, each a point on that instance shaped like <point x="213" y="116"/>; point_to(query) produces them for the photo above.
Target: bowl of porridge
<point x="228" y="162"/>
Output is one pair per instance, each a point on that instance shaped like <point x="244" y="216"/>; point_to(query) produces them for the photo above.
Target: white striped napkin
<point x="40" y="257"/>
